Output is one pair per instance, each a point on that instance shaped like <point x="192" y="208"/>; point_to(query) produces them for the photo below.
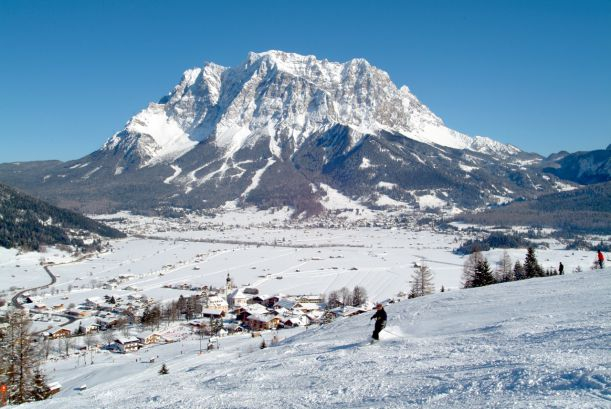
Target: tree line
<point x="478" y="273"/>
<point x="346" y="297"/>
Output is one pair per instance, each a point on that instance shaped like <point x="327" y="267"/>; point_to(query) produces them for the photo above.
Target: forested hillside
<point x="28" y="223"/>
<point x="581" y="210"/>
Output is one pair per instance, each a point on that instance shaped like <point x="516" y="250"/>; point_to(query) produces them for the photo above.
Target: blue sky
<point x="536" y="74"/>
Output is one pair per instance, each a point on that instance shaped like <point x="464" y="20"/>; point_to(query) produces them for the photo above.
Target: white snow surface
<point x="539" y="343"/>
<point x="430" y="201"/>
<point x="177" y="171"/>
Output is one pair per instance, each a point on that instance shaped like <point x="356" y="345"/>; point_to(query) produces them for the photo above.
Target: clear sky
<point x="536" y="74"/>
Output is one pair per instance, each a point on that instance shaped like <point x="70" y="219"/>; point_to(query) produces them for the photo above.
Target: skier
<point x="561" y="269"/>
<point x="380" y="317"/>
<point x="601" y="259"/>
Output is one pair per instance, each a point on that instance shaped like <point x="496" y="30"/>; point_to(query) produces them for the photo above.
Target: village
<point x="127" y="324"/>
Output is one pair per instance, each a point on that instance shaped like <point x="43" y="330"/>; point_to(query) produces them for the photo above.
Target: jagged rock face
<point x="286" y="129"/>
<point x="286" y="97"/>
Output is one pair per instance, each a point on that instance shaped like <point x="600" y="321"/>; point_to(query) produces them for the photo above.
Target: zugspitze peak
<point x="285" y="98"/>
<point x="282" y="129"/>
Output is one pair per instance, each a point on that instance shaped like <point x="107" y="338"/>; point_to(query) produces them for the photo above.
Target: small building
<point x="128" y="344"/>
<point x="271" y="301"/>
<point x="94" y="302"/>
<point x="233" y="328"/>
<point x="237" y="298"/>
<point x="59" y="333"/>
<point x="148" y="337"/>
<point x="285" y="303"/>
<point x="242" y="313"/>
<point x="306" y="307"/>
<point x="262" y="322"/>
<point x="350" y="311"/>
<point x="310" y="298"/>
<point x="54" y="387"/>
<point x="210" y="313"/>
<point x="218" y="303"/>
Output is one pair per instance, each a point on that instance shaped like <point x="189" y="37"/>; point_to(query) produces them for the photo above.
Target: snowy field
<point x="380" y="260"/>
<point x="20" y="270"/>
<point x="518" y="345"/>
<point x="258" y="250"/>
<point x="539" y="343"/>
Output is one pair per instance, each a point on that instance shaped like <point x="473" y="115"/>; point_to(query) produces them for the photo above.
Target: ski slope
<point x="539" y="343"/>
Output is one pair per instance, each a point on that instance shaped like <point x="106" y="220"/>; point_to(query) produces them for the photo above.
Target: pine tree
<point x="40" y="390"/>
<point x="422" y="282"/>
<point x="468" y="274"/>
<point x="531" y="265"/>
<point x="164" y="370"/>
<point x="483" y="275"/>
<point x="518" y="271"/>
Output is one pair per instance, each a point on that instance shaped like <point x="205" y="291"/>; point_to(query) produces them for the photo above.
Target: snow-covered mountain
<point x="538" y="343"/>
<point x="286" y="98"/>
<point x="286" y="129"/>
<point x="581" y="167"/>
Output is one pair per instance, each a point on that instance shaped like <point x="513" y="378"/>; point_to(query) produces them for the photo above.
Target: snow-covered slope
<point x="284" y="96"/>
<point x="537" y="343"/>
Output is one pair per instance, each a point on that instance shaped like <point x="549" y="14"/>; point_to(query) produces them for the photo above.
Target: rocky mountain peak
<point x="287" y="97"/>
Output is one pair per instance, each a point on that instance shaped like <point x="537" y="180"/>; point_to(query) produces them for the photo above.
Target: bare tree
<point x="359" y="296"/>
<point x="504" y="271"/>
<point x="345" y="296"/>
<point x="90" y="341"/>
<point x="68" y="342"/>
<point x="422" y="281"/>
<point x="333" y="300"/>
<point x="108" y="337"/>
<point x="18" y="356"/>
<point x="46" y="347"/>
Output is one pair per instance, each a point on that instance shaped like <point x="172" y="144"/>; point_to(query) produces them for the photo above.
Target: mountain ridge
<point x="276" y="128"/>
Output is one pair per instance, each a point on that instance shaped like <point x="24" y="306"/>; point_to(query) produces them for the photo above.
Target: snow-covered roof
<point x="261" y="318"/>
<point x="211" y="311"/>
<point x="127" y="340"/>
<point x="307" y="306"/>
<point x="285" y="303"/>
<point x="146" y="334"/>
<point x="216" y="300"/>
<point x="237" y="293"/>
<point x="255" y="309"/>
<point x="54" y="386"/>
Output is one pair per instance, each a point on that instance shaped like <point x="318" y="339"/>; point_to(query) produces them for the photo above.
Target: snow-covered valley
<point x="535" y="343"/>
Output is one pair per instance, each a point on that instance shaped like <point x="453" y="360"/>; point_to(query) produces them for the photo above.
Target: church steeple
<point x="228" y="286"/>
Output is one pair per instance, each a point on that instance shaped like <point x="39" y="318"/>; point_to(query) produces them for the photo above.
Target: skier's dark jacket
<point x="380" y="317"/>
